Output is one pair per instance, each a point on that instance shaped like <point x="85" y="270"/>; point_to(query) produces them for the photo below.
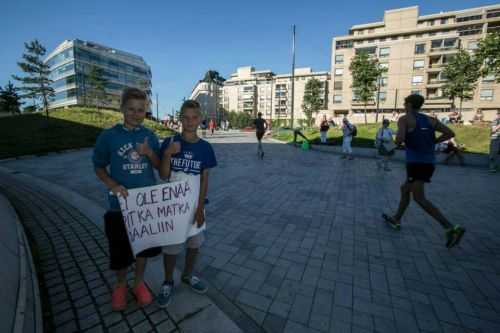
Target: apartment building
<point x="209" y="93"/>
<point x="252" y="91"/>
<point x="413" y="49"/>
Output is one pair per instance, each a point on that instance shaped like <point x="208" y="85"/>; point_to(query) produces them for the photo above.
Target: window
<point x="419" y="48"/>
<point x="436" y="43"/>
<point x="339" y="58"/>
<point x="417" y="79"/>
<point x="343" y="44"/>
<point x="382" y="96"/>
<point x="472" y="45"/>
<point x="469" y="18"/>
<point x="383" y="81"/>
<point x="430" y="23"/>
<point x="370" y="31"/>
<point x="450" y="42"/>
<point x="337" y="99"/>
<point x="337" y="85"/>
<point x="367" y="50"/>
<point x="339" y="71"/>
<point x="493" y="13"/>
<point x="444" y="20"/>
<point x="486" y="94"/>
<point x="384" y="52"/>
<point x="417" y="64"/>
<point x="475" y="29"/>
<point x="394" y="38"/>
<point x="416" y="92"/>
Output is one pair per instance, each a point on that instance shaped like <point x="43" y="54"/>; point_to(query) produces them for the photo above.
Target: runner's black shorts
<point x="120" y="252"/>
<point x="260" y="134"/>
<point x="419" y="172"/>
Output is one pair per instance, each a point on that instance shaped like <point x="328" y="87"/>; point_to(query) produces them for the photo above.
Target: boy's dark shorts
<point x="120" y="252"/>
<point x="419" y="172"/>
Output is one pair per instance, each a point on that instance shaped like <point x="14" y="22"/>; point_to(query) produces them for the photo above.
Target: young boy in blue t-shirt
<point x="186" y="156"/>
<point x="131" y="152"/>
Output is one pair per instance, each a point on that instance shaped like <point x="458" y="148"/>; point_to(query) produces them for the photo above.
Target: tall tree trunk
<point x="366" y="120"/>
<point x="460" y="110"/>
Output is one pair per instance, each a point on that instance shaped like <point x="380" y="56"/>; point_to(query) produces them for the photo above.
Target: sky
<point x="181" y="40"/>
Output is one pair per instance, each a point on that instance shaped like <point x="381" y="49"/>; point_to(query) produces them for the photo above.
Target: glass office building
<point x="70" y="64"/>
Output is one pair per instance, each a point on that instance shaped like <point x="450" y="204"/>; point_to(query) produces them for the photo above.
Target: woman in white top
<point x="384" y="142"/>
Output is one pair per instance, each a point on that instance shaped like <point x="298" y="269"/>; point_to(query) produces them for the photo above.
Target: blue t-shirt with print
<point x="192" y="159"/>
<point x="116" y="148"/>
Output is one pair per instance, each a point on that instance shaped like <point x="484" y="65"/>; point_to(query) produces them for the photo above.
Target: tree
<point x="9" y="99"/>
<point x="461" y="73"/>
<point x="36" y="83"/>
<point x="365" y="72"/>
<point x="97" y="83"/>
<point x="488" y="53"/>
<point x="312" y="99"/>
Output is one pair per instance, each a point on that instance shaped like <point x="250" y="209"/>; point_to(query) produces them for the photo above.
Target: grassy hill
<point x="71" y="128"/>
<point x="475" y="138"/>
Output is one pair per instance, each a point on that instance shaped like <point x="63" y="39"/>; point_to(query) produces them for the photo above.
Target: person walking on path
<point x="260" y="128"/>
<point x="186" y="156"/>
<point x="323" y="129"/>
<point x="417" y="132"/>
<point x="211" y="126"/>
<point x="384" y="141"/>
<point x="495" y="143"/>
<point x="348" y="132"/>
<point x="131" y="152"/>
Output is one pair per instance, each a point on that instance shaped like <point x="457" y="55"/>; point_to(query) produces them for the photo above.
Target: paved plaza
<point x="295" y="243"/>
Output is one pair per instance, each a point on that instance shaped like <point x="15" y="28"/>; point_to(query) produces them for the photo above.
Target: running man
<point x="417" y="131"/>
<point x="260" y="129"/>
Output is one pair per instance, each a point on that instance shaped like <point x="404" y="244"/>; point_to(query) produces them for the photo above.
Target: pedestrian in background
<point x="384" y="142"/>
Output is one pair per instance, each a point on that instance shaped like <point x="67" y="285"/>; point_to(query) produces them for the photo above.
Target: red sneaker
<point x="142" y="294"/>
<point x="119" y="298"/>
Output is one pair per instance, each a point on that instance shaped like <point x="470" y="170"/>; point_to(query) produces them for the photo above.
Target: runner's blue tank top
<point x="420" y="143"/>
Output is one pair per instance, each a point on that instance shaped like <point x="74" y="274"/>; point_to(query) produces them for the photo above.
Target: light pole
<point x="293" y="73"/>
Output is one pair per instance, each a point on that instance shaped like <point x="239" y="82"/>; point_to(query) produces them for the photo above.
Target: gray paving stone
<point x="343" y="294"/>
<point x="259" y="302"/>
<point x="143" y="327"/>
<point x="319" y="322"/>
<point x="274" y="323"/>
<point x="280" y="308"/>
<point x="112" y="318"/>
<point x="301" y="309"/>
<point x="121" y="327"/>
<point x="89" y="321"/>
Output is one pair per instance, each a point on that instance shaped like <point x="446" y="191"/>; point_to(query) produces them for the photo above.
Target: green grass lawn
<point x="475" y="138"/>
<point x="71" y="128"/>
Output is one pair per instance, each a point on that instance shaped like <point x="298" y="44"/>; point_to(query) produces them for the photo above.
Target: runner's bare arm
<point x="446" y="132"/>
<point x="401" y="134"/>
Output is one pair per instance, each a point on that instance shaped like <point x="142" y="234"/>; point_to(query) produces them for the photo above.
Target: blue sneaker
<point x="195" y="283"/>
<point x="166" y="294"/>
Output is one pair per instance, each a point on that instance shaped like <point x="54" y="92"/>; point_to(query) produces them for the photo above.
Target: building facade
<point x="252" y="91"/>
<point x="413" y="49"/>
<point x="209" y="93"/>
<point x="71" y="62"/>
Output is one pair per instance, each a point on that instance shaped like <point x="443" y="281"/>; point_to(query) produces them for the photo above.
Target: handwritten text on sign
<point x="160" y="215"/>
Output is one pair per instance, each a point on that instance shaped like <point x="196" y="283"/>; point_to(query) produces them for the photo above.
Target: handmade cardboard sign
<point x="160" y="215"/>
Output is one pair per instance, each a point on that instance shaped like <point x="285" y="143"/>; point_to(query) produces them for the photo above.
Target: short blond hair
<point x="133" y="93"/>
<point x="190" y="104"/>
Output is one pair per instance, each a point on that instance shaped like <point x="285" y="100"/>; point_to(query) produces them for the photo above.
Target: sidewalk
<point x="71" y="253"/>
